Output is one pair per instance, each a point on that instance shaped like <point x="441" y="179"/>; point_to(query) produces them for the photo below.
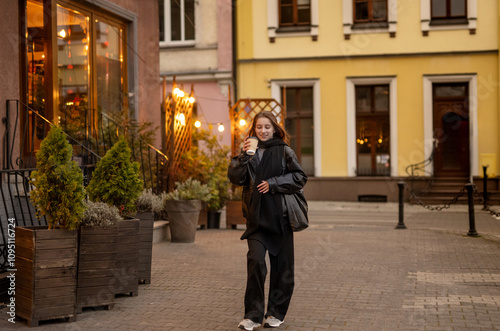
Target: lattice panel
<point x="246" y="109"/>
<point x="182" y="129"/>
<point x="177" y="125"/>
<point x="168" y="121"/>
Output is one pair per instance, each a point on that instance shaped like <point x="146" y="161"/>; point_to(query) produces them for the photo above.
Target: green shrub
<point x="207" y="162"/>
<point x="115" y="180"/>
<point x="59" y="193"/>
<point x="149" y="202"/>
<point x="191" y="189"/>
<point x="100" y="214"/>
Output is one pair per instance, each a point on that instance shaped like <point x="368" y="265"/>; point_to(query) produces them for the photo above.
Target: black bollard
<point x="401" y="223"/>
<point x="472" y="220"/>
<point x="485" y="188"/>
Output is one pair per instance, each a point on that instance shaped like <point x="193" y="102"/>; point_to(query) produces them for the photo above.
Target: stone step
<point x="161" y="231"/>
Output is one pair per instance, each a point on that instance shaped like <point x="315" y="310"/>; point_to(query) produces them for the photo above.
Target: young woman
<point x="273" y="171"/>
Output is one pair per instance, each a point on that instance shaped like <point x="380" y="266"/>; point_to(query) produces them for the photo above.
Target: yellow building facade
<point x="379" y="87"/>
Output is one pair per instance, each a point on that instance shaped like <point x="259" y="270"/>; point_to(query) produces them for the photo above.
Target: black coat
<point x="242" y="172"/>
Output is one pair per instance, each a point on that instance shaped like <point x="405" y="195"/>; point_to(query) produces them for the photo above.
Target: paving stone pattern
<point x="354" y="271"/>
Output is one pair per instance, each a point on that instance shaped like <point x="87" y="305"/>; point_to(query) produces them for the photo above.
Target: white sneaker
<point x="248" y="324"/>
<point x="272" y="322"/>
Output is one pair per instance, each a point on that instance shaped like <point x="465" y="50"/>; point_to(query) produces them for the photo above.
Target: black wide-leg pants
<point x="281" y="282"/>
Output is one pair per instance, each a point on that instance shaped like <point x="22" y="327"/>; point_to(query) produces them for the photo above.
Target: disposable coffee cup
<point x="253" y="145"/>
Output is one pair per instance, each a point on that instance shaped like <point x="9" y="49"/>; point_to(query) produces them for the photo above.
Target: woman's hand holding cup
<point x="250" y="145"/>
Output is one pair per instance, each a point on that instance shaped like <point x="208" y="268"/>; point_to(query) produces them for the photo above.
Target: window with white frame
<point x="371" y="126"/>
<point x="303" y="120"/>
<point x="292" y="18"/>
<point x="448" y="15"/>
<point x="177" y="22"/>
<point x="369" y="16"/>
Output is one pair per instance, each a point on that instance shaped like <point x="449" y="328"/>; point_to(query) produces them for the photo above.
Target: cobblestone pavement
<point x="354" y="271"/>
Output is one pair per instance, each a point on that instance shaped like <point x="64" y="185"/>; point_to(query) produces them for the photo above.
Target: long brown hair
<point x="279" y="131"/>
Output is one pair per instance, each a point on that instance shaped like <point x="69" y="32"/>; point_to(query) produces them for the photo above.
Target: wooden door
<point x="451" y="130"/>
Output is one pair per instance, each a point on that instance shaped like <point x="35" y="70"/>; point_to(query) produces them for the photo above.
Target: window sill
<point x="449" y="24"/>
<point x="180" y="44"/>
<point x="370" y="27"/>
<point x="294" y="31"/>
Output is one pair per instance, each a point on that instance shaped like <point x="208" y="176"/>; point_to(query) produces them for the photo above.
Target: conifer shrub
<point x="116" y="180"/>
<point x="59" y="193"/>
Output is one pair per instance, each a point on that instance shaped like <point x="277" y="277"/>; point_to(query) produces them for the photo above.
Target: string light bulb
<point x="182" y="119"/>
<point x="197" y="124"/>
<point x="178" y="92"/>
<point x="220" y="127"/>
<point x="191" y="99"/>
<point x="243" y="122"/>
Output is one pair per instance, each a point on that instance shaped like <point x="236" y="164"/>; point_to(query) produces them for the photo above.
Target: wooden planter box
<point x="127" y="259"/>
<point x="96" y="266"/>
<point x="46" y="263"/>
<point x="234" y="214"/>
<point x="146" y="227"/>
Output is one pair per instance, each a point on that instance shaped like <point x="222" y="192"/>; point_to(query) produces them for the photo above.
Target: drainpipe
<point x="233" y="37"/>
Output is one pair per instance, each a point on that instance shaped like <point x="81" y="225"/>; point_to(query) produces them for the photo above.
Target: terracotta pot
<point x="183" y="216"/>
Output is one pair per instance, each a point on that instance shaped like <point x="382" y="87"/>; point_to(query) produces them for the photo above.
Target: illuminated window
<point x="372" y="130"/>
<point x="90" y="72"/>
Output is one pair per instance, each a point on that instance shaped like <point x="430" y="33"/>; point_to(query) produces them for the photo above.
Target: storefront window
<point x="109" y="70"/>
<point x="73" y="70"/>
<point x="76" y="73"/>
<point x="35" y="61"/>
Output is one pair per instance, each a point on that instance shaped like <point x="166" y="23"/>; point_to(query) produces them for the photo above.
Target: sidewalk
<point x="354" y="271"/>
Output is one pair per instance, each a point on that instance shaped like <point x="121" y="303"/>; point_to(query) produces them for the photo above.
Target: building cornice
<point x="395" y="55"/>
<point x="197" y="75"/>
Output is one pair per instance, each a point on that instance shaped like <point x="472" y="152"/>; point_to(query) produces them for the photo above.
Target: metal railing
<point x="101" y="131"/>
<point x="419" y="169"/>
<point x="25" y="129"/>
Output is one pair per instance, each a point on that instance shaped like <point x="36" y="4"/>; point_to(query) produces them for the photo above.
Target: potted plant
<point x="116" y="182"/>
<point x="234" y="212"/>
<point x="97" y="256"/>
<point x="183" y="207"/>
<point x="47" y="256"/>
<point x="207" y="161"/>
<point x="148" y="205"/>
